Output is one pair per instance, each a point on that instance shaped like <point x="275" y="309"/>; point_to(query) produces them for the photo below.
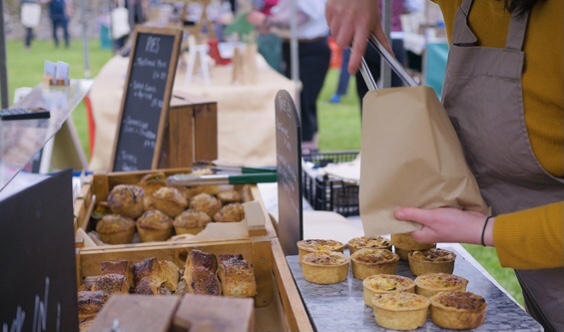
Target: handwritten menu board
<point x="38" y="279"/>
<point x="145" y="102"/>
<point x="288" y="160"/>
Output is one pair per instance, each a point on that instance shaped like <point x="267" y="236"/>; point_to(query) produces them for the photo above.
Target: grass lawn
<point x="339" y="124"/>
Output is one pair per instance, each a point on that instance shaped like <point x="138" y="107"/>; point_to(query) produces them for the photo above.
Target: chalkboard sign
<point x="146" y="98"/>
<point x="38" y="279"/>
<point x="288" y="160"/>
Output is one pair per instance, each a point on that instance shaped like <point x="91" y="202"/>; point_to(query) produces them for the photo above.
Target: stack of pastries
<point x="203" y="273"/>
<point x="157" y="212"/>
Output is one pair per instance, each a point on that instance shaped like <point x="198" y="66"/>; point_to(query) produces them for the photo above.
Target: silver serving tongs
<point x="393" y="62"/>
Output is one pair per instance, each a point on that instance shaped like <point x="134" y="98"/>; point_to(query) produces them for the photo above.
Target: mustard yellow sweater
<point x="534" y="238"/>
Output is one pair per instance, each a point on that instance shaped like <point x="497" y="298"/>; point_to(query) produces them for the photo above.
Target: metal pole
<point x="386" y="76"/>
<point x="294" y="58"/>
<point x="4" y="98"/>
<point x="85" y="38"/>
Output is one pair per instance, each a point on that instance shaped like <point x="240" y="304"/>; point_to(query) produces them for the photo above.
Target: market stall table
<point x="246" y="132"/>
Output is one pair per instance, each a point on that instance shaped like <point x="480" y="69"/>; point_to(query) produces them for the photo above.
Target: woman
<point x="504" y="91"/>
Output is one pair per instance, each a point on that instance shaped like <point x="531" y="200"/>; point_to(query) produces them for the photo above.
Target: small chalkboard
<point x="146" y="98"/>
<point x="39" y="290"/>
<point x="288" y="160"/>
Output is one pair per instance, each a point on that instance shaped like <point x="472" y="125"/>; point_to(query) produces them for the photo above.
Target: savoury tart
<point x="385" y="283"/>
<point x="432" y="283"/>
<point x="434" y="260"/>
<point x="325" y="267"/>
<point x="458" y="310"/>
<point x="400" y="310"/>
<point x="363" y="242"/>
<point x="312" y="245"/>
<point x="366" y="262"/>
<point x="404" y="243"/>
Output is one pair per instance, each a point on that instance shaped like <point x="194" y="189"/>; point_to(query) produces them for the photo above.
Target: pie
<point x="325" y="267"/>
<point x="366" y="262"/>
<point x="364" y="242"/>
<point x="312" y="245"/>
<point x="385" y="283"/>
<point x="400" y="310"/>
<point x="404" y="243"/>
<point x="458" y="310"/>
<point x="433" y="283"/>
<point x="432" y="260"/>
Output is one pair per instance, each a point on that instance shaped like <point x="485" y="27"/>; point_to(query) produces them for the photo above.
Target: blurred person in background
<point x="313" y="52"/>
<point x="60" y="12"/>
<point x="30" y="16"/>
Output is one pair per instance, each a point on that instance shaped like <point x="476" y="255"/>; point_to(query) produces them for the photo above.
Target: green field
<point x="339" y="124"/>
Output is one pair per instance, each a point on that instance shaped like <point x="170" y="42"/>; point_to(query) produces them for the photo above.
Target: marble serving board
<point x="340" y="307"/>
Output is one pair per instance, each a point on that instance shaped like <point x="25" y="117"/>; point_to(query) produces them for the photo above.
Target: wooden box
<point x="278" y="306"/>
<point x="192" y="132"/>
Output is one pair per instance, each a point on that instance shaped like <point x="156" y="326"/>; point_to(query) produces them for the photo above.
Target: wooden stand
<point x="192" y="132"/>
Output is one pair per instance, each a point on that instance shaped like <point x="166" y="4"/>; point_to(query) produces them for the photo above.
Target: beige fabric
<point x="246" y="130"/>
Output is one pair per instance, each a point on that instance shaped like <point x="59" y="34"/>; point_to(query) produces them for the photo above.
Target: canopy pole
<point x="4" y="98"/>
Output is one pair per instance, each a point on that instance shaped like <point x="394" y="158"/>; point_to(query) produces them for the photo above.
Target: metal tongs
<point x="224" y="175"/>
<point x="390" y="59"/>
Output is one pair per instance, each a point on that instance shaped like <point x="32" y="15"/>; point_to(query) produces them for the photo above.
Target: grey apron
<point x="482" y="94"/>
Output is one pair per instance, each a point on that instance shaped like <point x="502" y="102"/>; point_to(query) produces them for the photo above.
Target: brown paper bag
<point x="411" y="157"/>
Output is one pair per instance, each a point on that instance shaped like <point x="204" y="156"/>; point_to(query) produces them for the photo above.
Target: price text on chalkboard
<point x="288" y="162"/>
<point x="152" y="67"/>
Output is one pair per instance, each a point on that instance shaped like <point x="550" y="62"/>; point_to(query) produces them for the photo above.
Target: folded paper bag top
<point x="411" y="157"/>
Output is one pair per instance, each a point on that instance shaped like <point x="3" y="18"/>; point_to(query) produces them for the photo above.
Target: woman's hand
<point x="447" y="225"/>
<point x="351" y="23"/>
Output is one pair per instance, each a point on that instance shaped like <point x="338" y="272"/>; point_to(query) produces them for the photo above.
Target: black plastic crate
<point x="328" y="193"/>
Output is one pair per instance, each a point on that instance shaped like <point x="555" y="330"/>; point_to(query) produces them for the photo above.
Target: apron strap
<point x="462" y="35"/>
<point x="517" y="30"/>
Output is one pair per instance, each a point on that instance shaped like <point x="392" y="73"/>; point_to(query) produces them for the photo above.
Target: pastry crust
<point x="358" y="243"/>
<point x="115" y="229"/>
<point x="154" y="225"/>
<point x="206" y="203"/>
<point x="325" y="267"/>
<point x="123" y="267"/>
<point x="90" y="303"/>
<point x="385" y="283"/>
<point x="400" y="310"/>
<point x="112" y="283"/>
<point x="127" y="200"/>
<point x="458" y="310"/>
<point x="229" y="196"/>
<point x="191" y="222"/>
<point x="233" y="212"/>
<point x="236" y="276"/>
<point x="155" y="277"/>
<point x="170" y="201"/>
<point x="366" y="262"/>
<point x="313" y="245"/>
<point x="200" y="273"/>
<point x="434" y="260"/>
<point x="404" y="243"/>
<point x="432" y="283"/>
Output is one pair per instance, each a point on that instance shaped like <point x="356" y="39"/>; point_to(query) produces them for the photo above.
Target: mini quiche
<point x="458" y="310"/>
<point x="363" y="242"/>
<point x="325" y="267"/>
<point x="312" y="245"/>
<point x="385" y="283"/>
<point x="366" y="262"/>
<point x="404" y="243"/>
<point x="400" y="310"/>
<point x="432" y="260"/>
<point x="433" y="283"/>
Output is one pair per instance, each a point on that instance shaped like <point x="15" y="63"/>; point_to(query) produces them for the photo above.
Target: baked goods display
<point x="154" y="277"/>
<point x="191" y="222"/>
<point x="363" y="242"/>
<point x="170" y="201"/>
<point x="232" y="212"/>
<point x="434" y="260"/>
<point x="400" y="310"/>
<point x="458" y="310"/>
<point x="325" y="267"/>
<point x="151" y="193"/>
<point x="367" y="261"/>
<point x="236" y="276"/>
<point x="313" y="245"/>
<point x="404" y="243"/>
<point x="127" y="200"/>
<point x="115" y="229"/>
<point x="154" y="225"/>
<point x="385" y="283"/>
<point x="200" y="273"/>
<point x="433" y="283"/>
